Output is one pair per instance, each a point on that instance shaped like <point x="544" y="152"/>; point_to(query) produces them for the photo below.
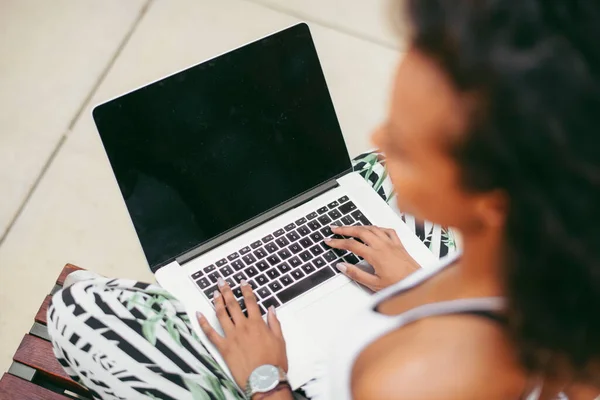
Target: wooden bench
<point x="35" y="374"/>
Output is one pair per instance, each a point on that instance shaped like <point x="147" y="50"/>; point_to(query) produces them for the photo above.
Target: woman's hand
<point x="248" y="342"/>
<point x="382" y="249"/>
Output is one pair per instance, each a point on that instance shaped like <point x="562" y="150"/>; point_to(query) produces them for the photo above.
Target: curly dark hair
<point x="533" y="66"/>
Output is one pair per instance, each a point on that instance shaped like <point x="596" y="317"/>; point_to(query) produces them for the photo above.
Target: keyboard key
<point x="242" y="304"/>
<point x="239" y="276"/>
<point x="209" y="292"/>
<point x="267" y="238"/>
<point x="347" y="207"/>
<point x="230" y="282"/>
<point x="325" y="246"/>
<point x="351" y="258"/>
<point x="359" y="216"/>
<point x="340" y="252"/>
<point x="256" y="244"/>
<point x="305" y="242"/>
<point x="303" y="230"/>
<point x="284" y="267"/>
<point x="289" y="227"/>
<point x="233" y="256"/>
<point x="249" y="259"/>
<point x="251" y="272"/>
<point x="271" y="247"/>
<point x="226" y="270"/>
<point x="197" y="275"/>
<point x="262" y="310"/>
<point x="293" y="236"/>
<point x="273" y="259"/>
<point x="297" y="274"/>
<point x="313" y="225"/>
<point x="260" y="253"/>
<point x="273" y="273"/>
<point x="326" y="231"/>
<point x="202" y="283"/>
<point x="333" y="205"/>
<point x="262" y="266"/>
<point x="322" y="210"/>
<point x="278" y="232"/>
<point x="325" y="220"/>
<point x="275" y="286"/>
<point x="319" y="262"/>
<point x="306" y="256"/>
<point x="312" y="215"/>
<point x="238" y="265"/>
<point x="237" y="292"/>
<point x="305" y="284"/>
<point x="214" y="276"/>
<point x="263" y="293"/>
<point x="286" y="280"/>
<point x="261" y="280"/>
<point x="245" y="250"/>
<point x="221" y="262"/>
<point x="284" y="254"/>
<point x="308" y="268"/>
<point x="316" y="250"/>
<point x="210" y="268"/>
<point x="330" y="256"/>
<point x="295" y="262"/>
<point x="343" y="199"/>
<point x="272" y="301"/>
<point x="282" y="242"/>
<point x="334" y="214"/>
<point x="296" y="248"/>
<point x="316" y="237"/>
<point x="253" y="285"/>
<point x="301" y="221"/>
<point x="347" y="220"/>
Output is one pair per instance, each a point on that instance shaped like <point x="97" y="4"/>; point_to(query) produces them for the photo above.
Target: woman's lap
<point x="124" y="339"/>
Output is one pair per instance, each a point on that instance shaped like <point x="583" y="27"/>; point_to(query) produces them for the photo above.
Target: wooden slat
<point x="41" y="314"/>
<point x="13" y="388"/>
<point x="65" y="272"/>
<point x="37" y="353"/>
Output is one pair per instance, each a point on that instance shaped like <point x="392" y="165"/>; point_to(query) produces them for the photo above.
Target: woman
<point x="492" y="129"/>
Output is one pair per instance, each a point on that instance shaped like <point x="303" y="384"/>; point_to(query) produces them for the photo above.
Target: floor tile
<point x="377" y="20"/>
<point x="51" y="55"/>
<point x="77" y="215"/>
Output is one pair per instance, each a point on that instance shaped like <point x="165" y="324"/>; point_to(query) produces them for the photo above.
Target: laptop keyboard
<point x="288" y="262"/>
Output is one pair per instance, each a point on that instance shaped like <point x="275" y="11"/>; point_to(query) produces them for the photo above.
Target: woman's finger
<point x="232" y="305"/>
<point x="360" y="232"/>
<point x="273" y="321"/>
<point x="209" y="331"/>
<point x="393" y="236"/>
<point x="351" y="245"/>
<point x="379" y="232"/>
<point x="357" y="274"/>
<point x="222" y="315"/>
<point x="250" y="300"/>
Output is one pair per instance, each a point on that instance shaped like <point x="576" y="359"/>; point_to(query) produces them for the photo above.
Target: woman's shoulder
<point x="448" y="357"/>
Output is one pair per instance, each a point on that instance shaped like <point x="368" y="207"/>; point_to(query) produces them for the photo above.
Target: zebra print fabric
<point x="130" y="340"/>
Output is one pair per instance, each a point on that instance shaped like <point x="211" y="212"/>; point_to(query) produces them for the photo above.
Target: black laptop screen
<point x="206" y="149"/>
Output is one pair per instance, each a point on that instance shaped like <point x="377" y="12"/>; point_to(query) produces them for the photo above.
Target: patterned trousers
<point x="130" y="340"/>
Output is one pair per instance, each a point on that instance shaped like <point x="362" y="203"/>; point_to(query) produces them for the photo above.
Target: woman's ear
<point x="492" y="208"/>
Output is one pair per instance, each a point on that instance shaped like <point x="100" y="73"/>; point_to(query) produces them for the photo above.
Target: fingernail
<point x="216" y="294"/>
<point x="199" y="315"/>
<point x="327" y="239"/>
<point x="243" y="282"/>
<point x="220" y="282"/>
<point x="333" y="226"/>
<point x="342" y="267"/>
<point x="272" y="310"/>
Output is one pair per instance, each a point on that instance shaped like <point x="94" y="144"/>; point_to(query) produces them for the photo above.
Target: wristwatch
<point x="264" y="379"/>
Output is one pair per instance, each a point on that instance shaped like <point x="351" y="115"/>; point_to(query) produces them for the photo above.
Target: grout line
<point x="110" y="64"/>
<point x="45" y="168"/>
<point x="80" y="111"/>
<point x="336" y="27"/>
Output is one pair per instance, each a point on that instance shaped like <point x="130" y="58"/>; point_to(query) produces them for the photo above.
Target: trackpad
<point x="310" y="330"/>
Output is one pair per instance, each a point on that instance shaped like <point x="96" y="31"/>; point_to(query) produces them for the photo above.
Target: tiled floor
<point x="57" y="59"/>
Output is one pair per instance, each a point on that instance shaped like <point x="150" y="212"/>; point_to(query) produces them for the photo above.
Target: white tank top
<point x="368" y="325"/>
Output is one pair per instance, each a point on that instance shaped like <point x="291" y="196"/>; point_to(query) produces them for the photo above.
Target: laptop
<point x="235" y="168"/>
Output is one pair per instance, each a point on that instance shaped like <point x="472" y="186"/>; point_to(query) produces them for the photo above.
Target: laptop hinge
<point x="259" y="220"/>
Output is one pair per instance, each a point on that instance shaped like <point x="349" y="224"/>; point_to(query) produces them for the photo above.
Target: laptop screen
<point x="202" y="151"/>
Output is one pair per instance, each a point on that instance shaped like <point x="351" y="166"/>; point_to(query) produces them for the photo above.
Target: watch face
<point x="264" y="378"/>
